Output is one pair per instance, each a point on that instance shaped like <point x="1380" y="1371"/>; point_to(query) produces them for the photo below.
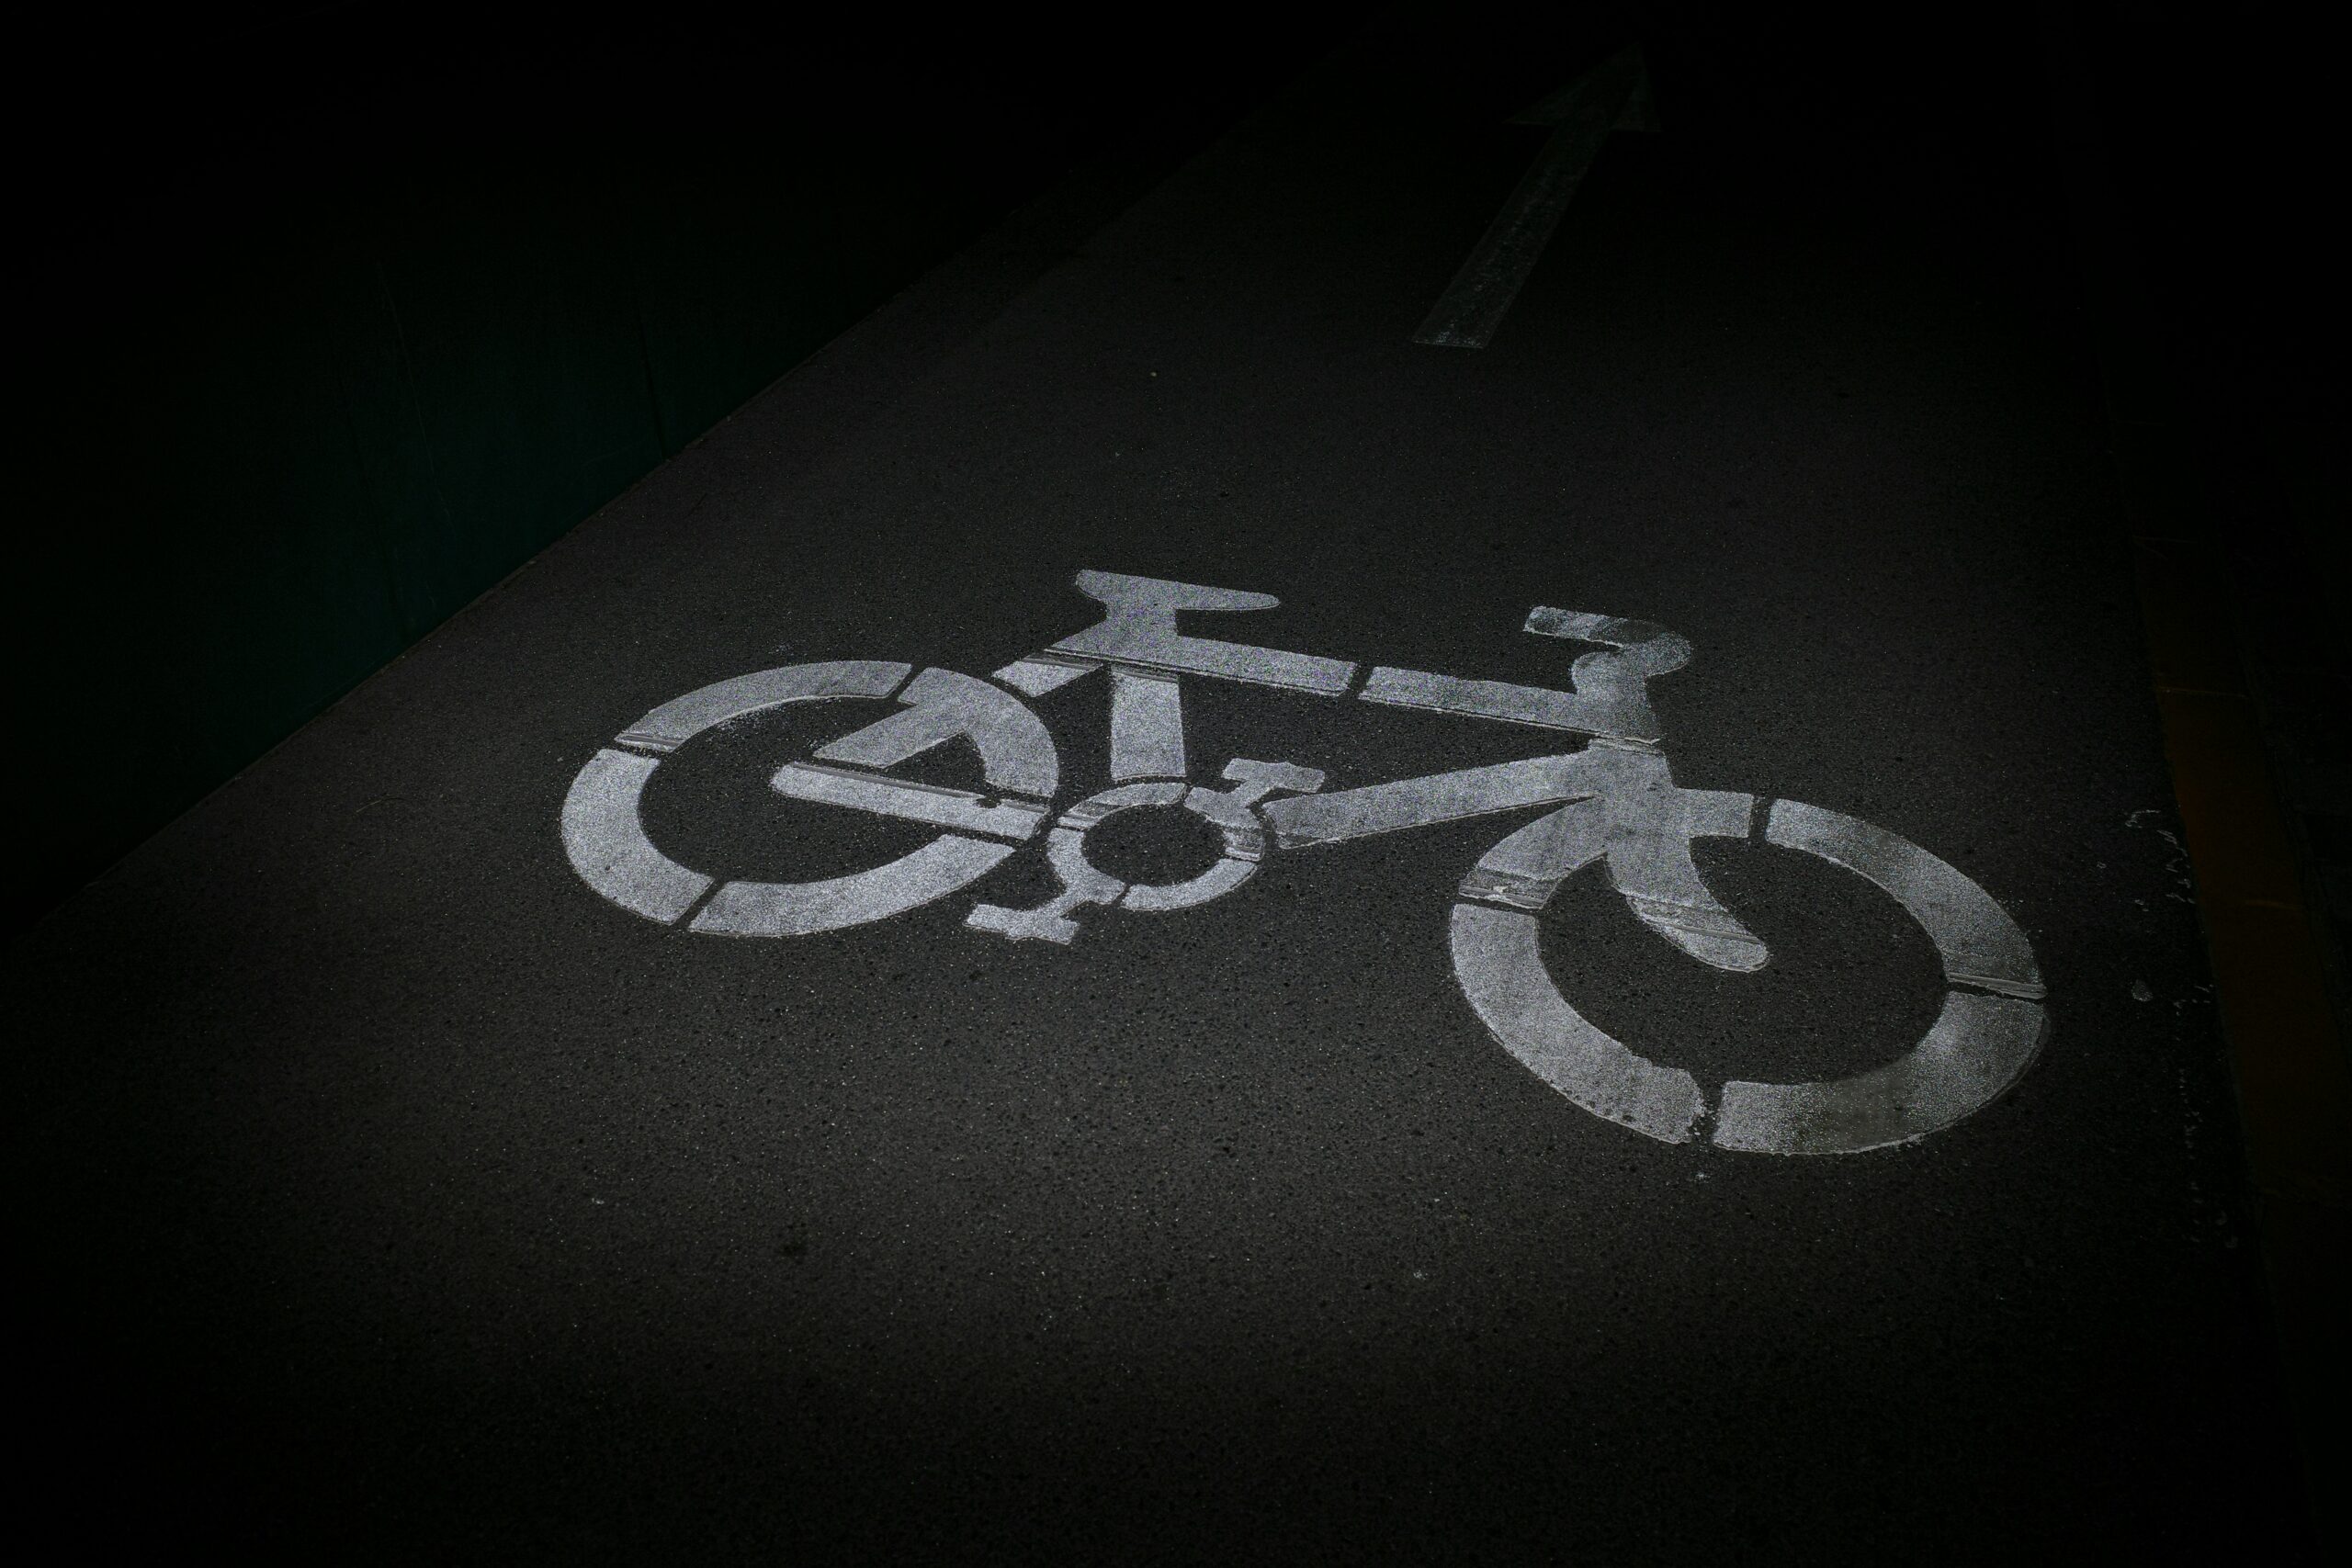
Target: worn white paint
<point x="1613" y="803"/>
<point x="1977" y="1047"/>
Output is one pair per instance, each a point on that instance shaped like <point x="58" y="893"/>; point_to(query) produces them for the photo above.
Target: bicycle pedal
<point x="1288" y="777"/>
<point x="1023" y="925"/>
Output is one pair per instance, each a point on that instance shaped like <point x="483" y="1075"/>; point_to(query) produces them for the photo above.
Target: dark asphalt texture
<point x="389" y="1196"/>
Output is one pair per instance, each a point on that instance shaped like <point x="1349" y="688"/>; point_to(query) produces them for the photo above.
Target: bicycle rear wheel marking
<point x="799" y="909"/>
<point x="606" y="842"/>
<point x="680" y="719"/>
<point x="1016" y="754"/>
<point x="604" y="829"/>
<point x="1979" y="1045"/>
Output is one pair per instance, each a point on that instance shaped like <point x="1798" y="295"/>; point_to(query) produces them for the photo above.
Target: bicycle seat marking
<point x="1614" y="802"/>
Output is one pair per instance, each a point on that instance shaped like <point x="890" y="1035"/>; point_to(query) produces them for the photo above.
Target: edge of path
<point x="2246" y="686"/>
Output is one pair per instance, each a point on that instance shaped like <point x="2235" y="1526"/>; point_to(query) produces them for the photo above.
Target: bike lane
<point x="402" y="1193"/>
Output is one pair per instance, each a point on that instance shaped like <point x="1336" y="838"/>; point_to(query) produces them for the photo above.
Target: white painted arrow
<point x="1614" y="95"/>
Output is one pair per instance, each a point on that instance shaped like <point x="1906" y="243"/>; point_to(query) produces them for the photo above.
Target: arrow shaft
<point x="1474" y="304"/>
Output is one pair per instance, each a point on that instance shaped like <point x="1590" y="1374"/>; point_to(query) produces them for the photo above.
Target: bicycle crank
<point x="1084" y="883"/>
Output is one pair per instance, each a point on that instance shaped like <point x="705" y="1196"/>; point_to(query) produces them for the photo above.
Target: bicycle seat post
<point x="1140" y="629"/>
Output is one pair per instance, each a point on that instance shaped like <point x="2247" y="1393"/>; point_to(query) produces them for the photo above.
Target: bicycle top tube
<point x="1608" y="697"/>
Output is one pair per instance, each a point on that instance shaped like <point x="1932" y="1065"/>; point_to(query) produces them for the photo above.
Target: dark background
<point x="341" y="314"/>
<point x="337" y="314"/>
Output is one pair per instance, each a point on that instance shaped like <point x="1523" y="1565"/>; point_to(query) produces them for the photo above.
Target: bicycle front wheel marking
<point x="1502" y="973"/>
<point x="1991" y="1027"/>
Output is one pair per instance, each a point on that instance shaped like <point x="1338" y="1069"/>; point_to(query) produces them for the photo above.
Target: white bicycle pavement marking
<point x="1613" y="805"/>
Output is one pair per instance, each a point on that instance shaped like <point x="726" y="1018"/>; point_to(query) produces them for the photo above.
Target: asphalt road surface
<point x="394" y="1195"/>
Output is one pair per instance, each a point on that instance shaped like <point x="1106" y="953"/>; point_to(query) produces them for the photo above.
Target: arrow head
<point x="1618" y="88"/>
<point x="1640" y="112"/>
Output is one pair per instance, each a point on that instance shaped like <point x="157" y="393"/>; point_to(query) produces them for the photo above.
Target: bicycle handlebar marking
<point x="1613" y="803"/>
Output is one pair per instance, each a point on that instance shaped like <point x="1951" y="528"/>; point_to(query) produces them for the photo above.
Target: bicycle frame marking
<point x="1614" y="803"/>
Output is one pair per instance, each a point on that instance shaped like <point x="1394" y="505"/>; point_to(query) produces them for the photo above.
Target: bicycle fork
<point x="1619" y="805"/>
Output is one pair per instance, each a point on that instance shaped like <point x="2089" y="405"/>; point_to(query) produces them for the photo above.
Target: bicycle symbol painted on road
<point x="1614" y="801"/>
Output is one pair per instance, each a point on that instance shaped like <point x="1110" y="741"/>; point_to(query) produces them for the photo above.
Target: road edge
<point x="2211" y="606"/>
